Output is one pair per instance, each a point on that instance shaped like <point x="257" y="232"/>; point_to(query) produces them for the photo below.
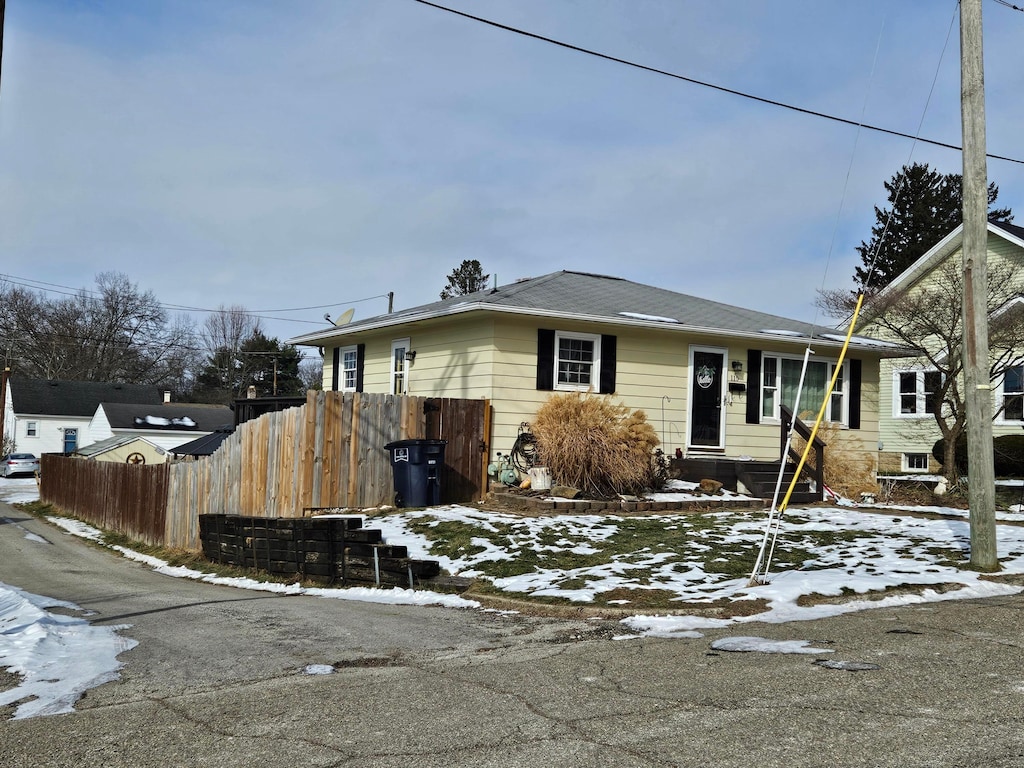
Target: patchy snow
<point x="58" y="657"/>
<point x="654" y="318"/>
<point x="183" y="422"/>
<point x="838" y="550"/>
<point x="395" y="596"/>
<point x="318" y="669"/>
<point x="19" y="490"/>
<point x="862" y="341"/>
<point x="761" y="645"/>
<point x="776" y="332"/>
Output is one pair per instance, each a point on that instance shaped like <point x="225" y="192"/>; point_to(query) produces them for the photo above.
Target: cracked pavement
<point x="217" y="680"/>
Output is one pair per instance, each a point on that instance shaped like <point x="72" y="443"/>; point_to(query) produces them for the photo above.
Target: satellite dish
<point x="346" y="317"/>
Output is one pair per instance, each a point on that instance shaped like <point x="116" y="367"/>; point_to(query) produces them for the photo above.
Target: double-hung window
<point x="916" y="393"/>
<point x="780" y="380"/>
<point x="577" y="360"/>
<point x="349" y="359"/>
<point x="1012" y="394"/>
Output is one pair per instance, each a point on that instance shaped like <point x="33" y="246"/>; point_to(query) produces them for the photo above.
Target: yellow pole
<point x="824" y="405"/>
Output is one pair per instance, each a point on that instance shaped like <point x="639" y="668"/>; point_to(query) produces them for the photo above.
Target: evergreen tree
<point x="468" y="277"/>
<point x="924" y="207"/>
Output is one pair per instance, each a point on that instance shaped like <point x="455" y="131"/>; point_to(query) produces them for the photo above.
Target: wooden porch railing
<point x="815" y="472"/>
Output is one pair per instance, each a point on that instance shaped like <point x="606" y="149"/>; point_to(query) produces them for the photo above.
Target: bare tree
<point x="928" y="317"/>
<point x="113" y="333"/>
<point x="228" y="328"/>
<point x="311" y="372"/>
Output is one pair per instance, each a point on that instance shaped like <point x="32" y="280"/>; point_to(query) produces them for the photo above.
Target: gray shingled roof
<point x="600" y="298"/>
<point x="172" y="417"/>
<point x="102" y="446"/>
<point x="53" y="397"/>
<point x="207" y="444"/>
<point x="1013" y="229"/>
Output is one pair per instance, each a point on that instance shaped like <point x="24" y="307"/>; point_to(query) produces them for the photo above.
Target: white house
<point x="166" y="425"/>
<point x="52" y="416"/>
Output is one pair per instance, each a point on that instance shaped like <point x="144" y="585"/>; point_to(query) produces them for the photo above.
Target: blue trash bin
<point x="418" y="467"/>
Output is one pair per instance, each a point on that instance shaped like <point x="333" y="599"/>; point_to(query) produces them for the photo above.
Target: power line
<point x="702" y="83"/>
<point x="1010" y="5"/>
<point x="89" y="293"/>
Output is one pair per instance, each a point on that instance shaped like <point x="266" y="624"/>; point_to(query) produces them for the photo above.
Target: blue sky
<point x="279" y="155"/>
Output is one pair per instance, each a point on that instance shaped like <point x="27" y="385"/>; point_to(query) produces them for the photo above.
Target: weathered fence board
<point x="326" y="453"/>
<point x="129" y="499"/>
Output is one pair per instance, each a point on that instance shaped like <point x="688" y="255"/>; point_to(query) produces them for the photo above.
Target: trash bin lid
<point x="409" y="443"/>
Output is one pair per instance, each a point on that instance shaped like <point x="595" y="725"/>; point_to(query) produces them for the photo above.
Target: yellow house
<point x="710" y="377"/>
<point x="913" y="388"/>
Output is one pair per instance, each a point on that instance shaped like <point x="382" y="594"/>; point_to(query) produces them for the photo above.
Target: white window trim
<point x="595" y="371"/>
<point x="842" y="386"/>
<point x="402" y="344"/>
<point x="31" y="429"/>
<point x="1000" y="395"/>
<point x="897" y="409"/>
<point x="352" y="349"/>
<point x="905" y="460"/>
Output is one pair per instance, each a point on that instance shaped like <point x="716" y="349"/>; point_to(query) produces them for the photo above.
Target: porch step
<point x="760" y="478"/>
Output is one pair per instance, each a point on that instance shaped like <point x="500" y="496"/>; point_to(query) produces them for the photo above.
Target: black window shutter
<point x="360" y="358"/>
<point x="606" y="383"/>
<point x="335" y="368"/>
<point x="855" y="377"/>
<point x="545" y="359"/>
<point x="753" y="386"/>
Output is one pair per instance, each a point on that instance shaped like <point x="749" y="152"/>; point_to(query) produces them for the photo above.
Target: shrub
<point x="960" y="456"/>
<point x="1007" y="454"/>
<point x="593" y="444"/>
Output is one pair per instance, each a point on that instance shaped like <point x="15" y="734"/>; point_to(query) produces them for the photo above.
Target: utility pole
<point x="981" y="481"/>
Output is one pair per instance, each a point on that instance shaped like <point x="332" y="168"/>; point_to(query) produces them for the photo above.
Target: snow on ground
<point x="870" y="553"/>
<point x="59" y="657"/>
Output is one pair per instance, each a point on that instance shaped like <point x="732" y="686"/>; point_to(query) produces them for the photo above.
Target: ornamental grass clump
<point x="595" y="445"/>
<point x="849" y="469"/>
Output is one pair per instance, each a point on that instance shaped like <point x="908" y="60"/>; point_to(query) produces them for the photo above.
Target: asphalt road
<point x="217" y="680"/>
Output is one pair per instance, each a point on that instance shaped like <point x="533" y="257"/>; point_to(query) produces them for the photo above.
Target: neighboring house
<point x="52" y="416"/>
<point x="166" y="425"/>
<point x="122" y="449"/>
<point x="907" y="428"/>
<point x="710" y="376"/>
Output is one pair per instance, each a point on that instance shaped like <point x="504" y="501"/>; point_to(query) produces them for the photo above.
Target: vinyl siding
<point x="496" y="358"/>
<point x="900" y="434"/>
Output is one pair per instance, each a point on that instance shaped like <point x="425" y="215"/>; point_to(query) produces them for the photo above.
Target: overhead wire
<point x="704" y="83"/>
<point x="762" y="564"/>
<point x="42" y="285"/>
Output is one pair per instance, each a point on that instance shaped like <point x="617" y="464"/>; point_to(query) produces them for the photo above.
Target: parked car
<point x="19" y="464"/>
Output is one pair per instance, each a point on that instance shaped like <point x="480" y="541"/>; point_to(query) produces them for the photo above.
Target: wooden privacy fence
<point x="326" y="453"/>
<point x="124" y="498"/>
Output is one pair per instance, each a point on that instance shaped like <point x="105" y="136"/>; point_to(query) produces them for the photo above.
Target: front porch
<point x="759" y="478"/>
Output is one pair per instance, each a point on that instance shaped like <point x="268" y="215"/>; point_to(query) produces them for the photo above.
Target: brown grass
<point x="595" y="445"/>
<point x="849" y="469"/>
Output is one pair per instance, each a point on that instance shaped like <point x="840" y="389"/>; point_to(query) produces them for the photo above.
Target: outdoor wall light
<point x="410" y="355"/>
<point x="737" y="365"/>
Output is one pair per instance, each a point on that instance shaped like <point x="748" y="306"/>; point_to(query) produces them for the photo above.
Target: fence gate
<point x="465" y="424"/>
